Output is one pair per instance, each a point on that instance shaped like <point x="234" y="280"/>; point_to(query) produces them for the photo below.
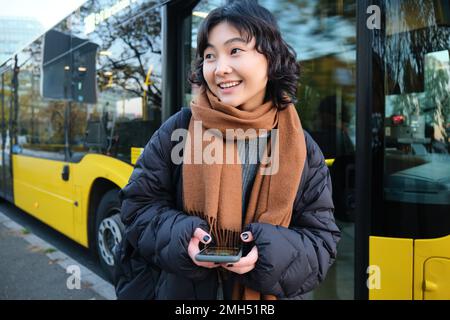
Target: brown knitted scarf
<point x="213" y="190"/>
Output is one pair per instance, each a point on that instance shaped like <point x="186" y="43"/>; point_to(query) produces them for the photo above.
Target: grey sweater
<point x="250" y="156"/>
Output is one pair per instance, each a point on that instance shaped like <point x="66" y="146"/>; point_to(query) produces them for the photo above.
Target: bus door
<point x="410" y="232"/>
<point x="7" y="103"/>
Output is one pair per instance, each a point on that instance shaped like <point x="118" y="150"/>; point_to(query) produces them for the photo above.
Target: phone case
<point x="217" y="258"/>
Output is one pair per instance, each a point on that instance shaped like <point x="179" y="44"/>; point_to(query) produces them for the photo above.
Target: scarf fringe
<point x="221" y="237"/>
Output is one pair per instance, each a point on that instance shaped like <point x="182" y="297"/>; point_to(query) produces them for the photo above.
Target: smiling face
<point x="234" y="71"/>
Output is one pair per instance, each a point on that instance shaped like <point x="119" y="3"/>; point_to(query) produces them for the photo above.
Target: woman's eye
<point x="208" y="56"/>
<point x="235" y="50"/>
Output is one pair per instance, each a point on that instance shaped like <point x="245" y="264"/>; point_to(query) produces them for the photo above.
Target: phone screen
<point x="220" y="251"/>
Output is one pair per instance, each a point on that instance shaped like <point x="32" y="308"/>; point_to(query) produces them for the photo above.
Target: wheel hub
<point x="108" y="236"/>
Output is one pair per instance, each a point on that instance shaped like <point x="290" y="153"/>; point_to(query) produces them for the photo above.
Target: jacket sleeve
<point x="294" y="260"/>
<point x="154" y="228"/>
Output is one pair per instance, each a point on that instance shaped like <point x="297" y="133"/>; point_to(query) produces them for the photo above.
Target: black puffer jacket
<point x="152" y="259"/>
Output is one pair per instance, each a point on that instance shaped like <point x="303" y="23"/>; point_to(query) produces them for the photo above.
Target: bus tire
<point x="108" y="230"/>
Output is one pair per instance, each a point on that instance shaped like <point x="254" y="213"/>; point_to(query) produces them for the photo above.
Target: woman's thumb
<point x="202" y="235"/>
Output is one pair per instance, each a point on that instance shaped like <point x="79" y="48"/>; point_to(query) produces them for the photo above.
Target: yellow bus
<point x="80" y="102"/>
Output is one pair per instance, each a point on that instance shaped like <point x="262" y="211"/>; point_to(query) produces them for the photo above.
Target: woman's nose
<point x="222" y="68"/>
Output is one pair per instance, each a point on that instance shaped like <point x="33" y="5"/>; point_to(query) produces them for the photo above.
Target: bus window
<point x="41" y="121"/>
<point x="127" y="109"/>
<point x="415" y="54"/>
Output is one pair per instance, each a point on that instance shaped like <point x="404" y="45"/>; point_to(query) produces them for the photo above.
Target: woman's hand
<point x="247" y="263"/>
<point x="193" y="248"/>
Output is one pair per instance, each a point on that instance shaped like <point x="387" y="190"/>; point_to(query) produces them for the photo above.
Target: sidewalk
<point x="31" y="269"/>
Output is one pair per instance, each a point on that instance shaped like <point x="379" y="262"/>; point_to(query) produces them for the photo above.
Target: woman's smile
<point x="229" y="87"/>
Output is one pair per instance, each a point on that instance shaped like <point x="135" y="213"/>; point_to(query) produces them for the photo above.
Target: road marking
<point x="89" y="278"/>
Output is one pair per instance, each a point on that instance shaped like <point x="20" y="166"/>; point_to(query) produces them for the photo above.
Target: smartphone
<point x="219" y="254"/>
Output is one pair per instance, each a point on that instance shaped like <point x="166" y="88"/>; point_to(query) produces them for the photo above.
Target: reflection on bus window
<point x="128" y="62"/>
<point x="417" y="137"/>
<point x="41" y="122"/>
<point x="100" y="83"/>
<point x="415" y="53"/>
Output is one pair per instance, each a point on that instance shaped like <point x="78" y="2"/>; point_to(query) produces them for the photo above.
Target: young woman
<point x="283" y="217"/>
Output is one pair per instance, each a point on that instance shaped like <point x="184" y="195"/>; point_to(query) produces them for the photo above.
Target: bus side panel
<point x="40" y="190"/>
<point x="391" y="263"/>
<point x="90" y="168"/>
<point x="432" y="269"/>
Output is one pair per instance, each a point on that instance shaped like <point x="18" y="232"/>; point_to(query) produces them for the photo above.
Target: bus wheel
<point x="109" y="230"/>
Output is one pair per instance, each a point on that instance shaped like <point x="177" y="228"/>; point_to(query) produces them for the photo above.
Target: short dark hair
<point x="254" y="21"/>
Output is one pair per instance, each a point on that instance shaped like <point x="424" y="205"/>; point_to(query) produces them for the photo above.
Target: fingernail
<point x="244" y="236"/>
<point x="206" y="238"/>
<point x="229" y="265"/>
